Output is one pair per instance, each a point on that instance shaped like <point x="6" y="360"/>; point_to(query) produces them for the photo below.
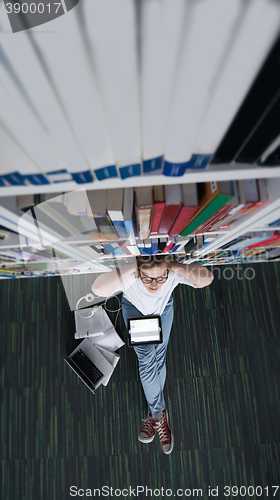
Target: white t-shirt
<point x="145" y="301"/>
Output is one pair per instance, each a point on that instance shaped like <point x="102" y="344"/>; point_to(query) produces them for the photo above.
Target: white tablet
<point x="144" y="330"/>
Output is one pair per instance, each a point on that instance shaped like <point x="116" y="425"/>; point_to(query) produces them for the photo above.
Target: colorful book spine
<point x="214" y="205"/>
<point x="157" y="215"/>
<point x="268" y="241"/>
<point x="154" y="165"/>
<point x="154" y="246"/>
<point x="174" y="169"/>
<point x="181" y="221"/>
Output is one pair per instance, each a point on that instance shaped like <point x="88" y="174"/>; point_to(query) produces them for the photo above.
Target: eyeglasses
<point x="159" y="281"/>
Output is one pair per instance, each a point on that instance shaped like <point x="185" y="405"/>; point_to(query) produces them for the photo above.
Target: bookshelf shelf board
<point x="267" y="228"/>
<point x="232" y="171"/>
<point x="210" y="233"/>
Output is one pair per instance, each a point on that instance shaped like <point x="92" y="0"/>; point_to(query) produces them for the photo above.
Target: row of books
<point x="262" y="254"/>
<point x="196" y="208"/>
<point x="187" y="209"/>
<point x="261" y="244"/>
<point x="70" y="123"/>
<point x="143" y="212"/>
<point x="248" y="195"/>
<point x="188" y="246"/>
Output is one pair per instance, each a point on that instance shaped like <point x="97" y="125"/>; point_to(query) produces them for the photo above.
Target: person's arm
<point x="106" y="283"/>
<point x="200" y="276"/>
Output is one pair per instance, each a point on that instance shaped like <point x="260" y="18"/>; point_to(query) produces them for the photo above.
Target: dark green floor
<point x="222" y="393"/>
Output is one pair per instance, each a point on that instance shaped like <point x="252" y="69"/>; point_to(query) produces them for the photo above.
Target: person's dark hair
<point x="151" y="261"/>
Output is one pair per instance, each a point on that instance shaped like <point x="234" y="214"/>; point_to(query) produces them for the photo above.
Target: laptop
<point x="89" y="364"/>
<point x="143" y="330"/>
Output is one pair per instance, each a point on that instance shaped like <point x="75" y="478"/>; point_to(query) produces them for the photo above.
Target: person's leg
<point x="151" y="359"/>
<point x="152" y="371"/>
<point x="166" y="324"/>
<point x="148" y="370"/>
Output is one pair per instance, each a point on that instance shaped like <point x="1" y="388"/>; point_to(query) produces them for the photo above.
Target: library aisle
<point x="222" y="393"/>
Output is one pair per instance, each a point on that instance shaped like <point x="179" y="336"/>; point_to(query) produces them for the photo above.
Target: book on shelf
<point x="272" y="253"/>
<point x="206" y="193"/>
<point x="76" y="224"/>
<point x="98" y="210"/>
<point x="237" y="205"/>
<point x="76" y="202"/>
<point x="266" y="241"/>
<point x="188" y="108"/>
<point x="34" y="153"/>
<point x="50" y="196"/>
<point x="133" y="249"/>
<point x="180" y="243"/>
<point x="143" y="210"/>
<point x="168" y="246"/>
<point x="159" y="204"/>
<point x="97" y="247"/>
<point x="154" y="246"/>
<point x="187" y="209"/>
<point x="226" y="188"/>
<point x="191" y="246"/>
<point x="212" y="199"/>
<point x="24" y="171"/>
<point x="253" y="194"/>
<point x="235" y="240"/>
<point x="148" y="246"/>
<point x="124" y="247"/>
<point x="161" y="244"/>
<point x="42" y="217"/>
<point x="129" y="214"/>
<point x="90" y="253"/>
<point x="141" y="247"/>
<point x="173" y="201"/>
<point x="85" y="112"/>
<point x="26" y="225"/>
<point x="274" y="223"/>
<point x="250" y="240"/>
<point x="114" y="248"/>
<point x="115" y="210"/>
<point x="203" y="243"/>
<point x="26" y="201"/>
<point x="61" y="220"/>
<point x="119" y="96"/>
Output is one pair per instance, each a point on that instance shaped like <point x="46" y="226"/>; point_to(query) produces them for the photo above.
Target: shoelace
<point x="162" y="429"/>
<point x="148" y="424"/>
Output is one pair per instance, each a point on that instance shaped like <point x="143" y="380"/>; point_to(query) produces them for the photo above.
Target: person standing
<point x="147" y="287"/>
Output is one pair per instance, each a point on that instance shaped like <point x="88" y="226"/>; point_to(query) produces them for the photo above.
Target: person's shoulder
<point x="179" y="279"/>
<point x="130" y="280"/>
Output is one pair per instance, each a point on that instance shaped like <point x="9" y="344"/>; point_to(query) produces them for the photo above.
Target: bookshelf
<point x="96" y="125"/>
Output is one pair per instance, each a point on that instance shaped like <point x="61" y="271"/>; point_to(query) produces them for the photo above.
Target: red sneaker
<point x="165" y="436"/>
<point x="147" y="433"/>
